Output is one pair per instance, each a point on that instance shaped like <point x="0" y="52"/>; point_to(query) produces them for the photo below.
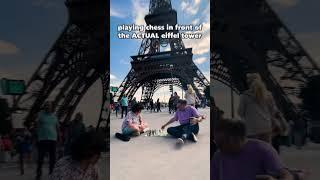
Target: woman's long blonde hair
<point x="190" y="89"/>
<point x="257" y="87"/>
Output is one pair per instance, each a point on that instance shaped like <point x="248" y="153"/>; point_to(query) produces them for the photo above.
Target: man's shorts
<point x="127" y="131"/>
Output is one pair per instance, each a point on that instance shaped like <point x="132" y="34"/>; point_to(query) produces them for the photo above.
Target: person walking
<point x="75" y="129"/>
<point x="191" y="97"/>
<point x="64" y="129"/>
<point x="257" y="109"/>
<point x="111" y="102"/>
<point x="133" y="102"/>
<point x="299" y="134"/>
<point x="116" y="108"/>
<point x="158" y="105"/>
<point x="170" y="104"/>
<point x="176" y="98"/>
<point x="24" y="148"/>
<point x="151" y="105"/>
<point x="48" y="133"/>
<point x="124" y="105"/>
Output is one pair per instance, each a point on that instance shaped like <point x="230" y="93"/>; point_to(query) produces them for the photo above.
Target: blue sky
<point x="133" y="11"/>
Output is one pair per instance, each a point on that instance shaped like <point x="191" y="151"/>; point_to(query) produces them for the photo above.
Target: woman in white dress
<point x="257" y="109"/>
<point x="191" y="96"/>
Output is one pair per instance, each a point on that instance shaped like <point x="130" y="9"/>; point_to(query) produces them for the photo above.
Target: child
<point x="117" y="108"/>
<point x="133" y="123"/>
<point x="24" y="148"/>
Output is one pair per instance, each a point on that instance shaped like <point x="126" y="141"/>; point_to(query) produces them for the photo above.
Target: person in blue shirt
<point x="48" y="133"/>
<point x="124" y="105"/>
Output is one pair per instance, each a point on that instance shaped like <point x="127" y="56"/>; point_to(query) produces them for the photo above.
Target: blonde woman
<point x="191" y="96"/>
<point x="257" y="109"/>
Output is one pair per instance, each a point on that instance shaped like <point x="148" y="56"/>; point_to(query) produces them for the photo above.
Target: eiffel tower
<point x="152" y="69"/>
<point x="75" y="62"/>
<point x="248" y="36"/>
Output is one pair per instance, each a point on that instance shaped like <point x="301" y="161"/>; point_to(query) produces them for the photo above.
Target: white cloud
<point x="200" y="60"/>
<point x="191" y="7"/>
<point x="115" y="83"/>
<point x="139" y="10"/>
<point x="201" y="46"/>
<point x="11" y="73"/>
<point x="8" y="48"/>
<point x="284" y="3"/>
<point x="184" y="5"/>
<point x="115" y="80"/>
<point x="113" y="77"/>
<point x="167" y="48"/>
<point x="138" y="94"/>
<point x="117" y="13"/>
<point x="45" y="3"/>
<point x="126" y="62"/>
<point x="207" y="75"/>
<point x="195" y="21"/>
<point x="310" y="41"/>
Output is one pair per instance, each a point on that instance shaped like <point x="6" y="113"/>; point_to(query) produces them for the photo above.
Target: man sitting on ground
<point x="242" y="158"/>
<point x="189" y="119"/>
<point x="133" y="123"/>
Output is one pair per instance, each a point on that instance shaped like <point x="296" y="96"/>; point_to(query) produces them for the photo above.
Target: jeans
<point x="46" y="146"/>
<point x="276" y="143"/>
<point x="124" y="108"/>
<point x="187" y="129"/>
<point x="127" y="131"/>
<point x="298" y="139"/>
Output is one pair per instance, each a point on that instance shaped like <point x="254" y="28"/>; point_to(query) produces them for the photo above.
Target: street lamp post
<point x="171" y="69"/>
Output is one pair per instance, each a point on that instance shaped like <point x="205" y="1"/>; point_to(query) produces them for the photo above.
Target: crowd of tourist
<point x="72" y="148"/>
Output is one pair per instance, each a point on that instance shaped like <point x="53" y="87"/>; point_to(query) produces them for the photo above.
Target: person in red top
<point x="6" y="143"/>
<point x="1" y="144"/>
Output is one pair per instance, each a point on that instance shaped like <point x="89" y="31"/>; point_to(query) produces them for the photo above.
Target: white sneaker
<point x="194" y="137"/>
<point x="180" y="141"/>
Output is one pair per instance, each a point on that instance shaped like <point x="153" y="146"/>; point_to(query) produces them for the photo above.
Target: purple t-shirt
<point x="256" y="158"/>
<point x="183" y="116"/>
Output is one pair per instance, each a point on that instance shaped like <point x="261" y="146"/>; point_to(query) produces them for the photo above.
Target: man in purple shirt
<point x="189" y="119"/>
<point x="242" y="158"/>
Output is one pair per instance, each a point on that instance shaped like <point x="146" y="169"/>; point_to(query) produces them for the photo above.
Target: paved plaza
<point x="308" y="158"/>
<point x="10" y="171"/>
<point x="158" y="158"/>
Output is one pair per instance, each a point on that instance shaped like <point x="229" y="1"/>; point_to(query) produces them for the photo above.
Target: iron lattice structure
<point x="248" y="36"/>
<point x="74" y="63"/>
<point x="152" y="68"/>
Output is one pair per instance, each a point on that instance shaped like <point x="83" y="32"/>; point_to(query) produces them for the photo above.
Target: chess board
<point x="155" y="133"/>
